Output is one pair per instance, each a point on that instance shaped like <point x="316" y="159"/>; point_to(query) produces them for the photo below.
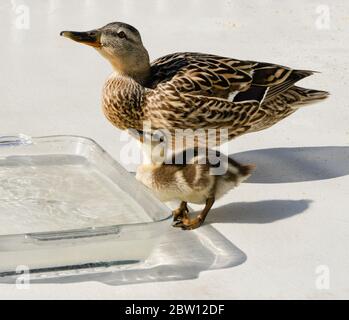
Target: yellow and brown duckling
<point x="192" y="90"/>
<point x="190" y="176"/>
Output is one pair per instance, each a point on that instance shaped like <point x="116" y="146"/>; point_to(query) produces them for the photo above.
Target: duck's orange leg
<point x="189" y="224"/>
<point x="181" y="212"/>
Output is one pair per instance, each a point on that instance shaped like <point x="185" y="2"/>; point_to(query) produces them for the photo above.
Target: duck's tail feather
<point x="261" y="92"/>
<point x="243" y="170"/>
<point x="246" y="169"/>
<point x="284" y="104"/>
<point x="294" y="77"/>
<point x="297" y="96"/>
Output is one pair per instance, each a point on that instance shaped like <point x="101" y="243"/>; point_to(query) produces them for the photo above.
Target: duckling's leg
<point x="189" y="224"/>
<point x="181" y="212"/>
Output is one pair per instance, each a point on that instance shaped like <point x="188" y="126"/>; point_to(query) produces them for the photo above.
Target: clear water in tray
<point x="58" y="192"/>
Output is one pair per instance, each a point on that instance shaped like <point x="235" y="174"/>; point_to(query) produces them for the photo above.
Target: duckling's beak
<point x="91" y="38"/>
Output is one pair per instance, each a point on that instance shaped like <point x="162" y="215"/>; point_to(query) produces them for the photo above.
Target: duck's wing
<point x="222" y="77"/>
<point x="201" y="91"/>
<point x="202" y="117"/>
<point x="200" y="74"/>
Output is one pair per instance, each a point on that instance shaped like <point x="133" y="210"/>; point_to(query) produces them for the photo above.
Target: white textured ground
<point x="276" y="234"/>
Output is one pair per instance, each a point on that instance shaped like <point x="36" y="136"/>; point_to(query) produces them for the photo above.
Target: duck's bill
<point x="91" y="38"/>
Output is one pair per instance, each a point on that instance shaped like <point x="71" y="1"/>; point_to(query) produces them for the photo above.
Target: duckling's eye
<point x="122" y="34"/>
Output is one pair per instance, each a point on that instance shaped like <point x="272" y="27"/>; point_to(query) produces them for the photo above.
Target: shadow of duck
<point x="284" y="165"/>
<point x="266" y="211"/>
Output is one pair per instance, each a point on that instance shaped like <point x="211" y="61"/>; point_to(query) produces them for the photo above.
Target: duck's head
<point x="120" y="44"/>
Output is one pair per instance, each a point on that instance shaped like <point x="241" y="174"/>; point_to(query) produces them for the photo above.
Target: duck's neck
<point x="136" y="67"/>
<point x="140" y="75"/>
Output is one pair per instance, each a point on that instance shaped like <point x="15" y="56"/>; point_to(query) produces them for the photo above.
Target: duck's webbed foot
<point x="186" y="223"/>
<point x="181" y="212"/>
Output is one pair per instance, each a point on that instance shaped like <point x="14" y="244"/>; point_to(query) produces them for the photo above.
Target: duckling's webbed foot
<point x="181" y="212"/>
<point x="186" y="223"/>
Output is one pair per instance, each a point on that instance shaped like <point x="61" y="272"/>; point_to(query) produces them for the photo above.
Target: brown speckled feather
<point x="202" y="91"/>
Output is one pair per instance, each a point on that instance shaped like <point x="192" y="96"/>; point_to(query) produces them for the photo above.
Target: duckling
<point x="190" y="90"/>
<point x="191" y="179"/>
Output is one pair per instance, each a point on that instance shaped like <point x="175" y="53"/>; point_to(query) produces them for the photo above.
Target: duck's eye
<point x="122" y="34"/>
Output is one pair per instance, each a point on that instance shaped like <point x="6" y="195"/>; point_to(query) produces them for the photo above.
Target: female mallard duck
<point x="192" y="90"/>
<point x="194" y="178"/>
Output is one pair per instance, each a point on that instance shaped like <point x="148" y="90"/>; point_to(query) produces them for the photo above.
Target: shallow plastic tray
<point x="65" y="202"/>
